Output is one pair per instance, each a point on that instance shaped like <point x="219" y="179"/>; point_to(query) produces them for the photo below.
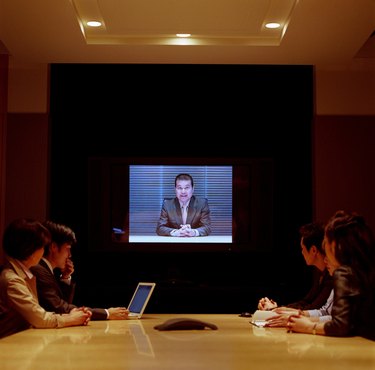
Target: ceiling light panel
<point x="224" y="22"/>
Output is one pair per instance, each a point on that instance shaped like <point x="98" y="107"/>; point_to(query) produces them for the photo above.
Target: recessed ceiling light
<point x="183" y="34"/>
<point x="273" y="25"/>
<point x="94" y="23"/>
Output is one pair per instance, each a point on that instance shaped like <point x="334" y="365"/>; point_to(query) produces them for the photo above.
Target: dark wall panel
<point x="191" y="111"/>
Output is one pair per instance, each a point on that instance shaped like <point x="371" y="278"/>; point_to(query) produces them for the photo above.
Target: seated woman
<point x="350" y="252"/>
<point x="23" y="242"/>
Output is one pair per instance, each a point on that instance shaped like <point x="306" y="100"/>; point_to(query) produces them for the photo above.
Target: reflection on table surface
<point x="171" y="239"/>
<point x="135" y="344"/>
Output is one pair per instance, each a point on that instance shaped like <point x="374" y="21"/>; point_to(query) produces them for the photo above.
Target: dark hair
<point x="23" y="237"/>
<point x="355" y="245"/>
<point x="60" y="234"/>
<point x="184" y="176"/>
<point x="312" y="234"/>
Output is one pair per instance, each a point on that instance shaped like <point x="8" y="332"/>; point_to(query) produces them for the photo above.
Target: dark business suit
<point x="198" y="216"/>
<point x="56" y="296"/>
<point x="318" y="294"/>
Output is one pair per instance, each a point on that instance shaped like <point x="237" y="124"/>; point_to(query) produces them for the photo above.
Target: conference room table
<point x="135" y="344"/>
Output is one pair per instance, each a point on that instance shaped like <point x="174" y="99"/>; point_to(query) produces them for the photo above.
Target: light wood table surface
<point x="135" y="344"/>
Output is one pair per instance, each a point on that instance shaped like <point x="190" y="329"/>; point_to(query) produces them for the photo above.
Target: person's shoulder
<point x="39" y="269"/>
<point x="9" y="276"/>
<point x="7" y="271"/>
<point x="199" y="200"/>
<point x="343" y="272"/>
<point x="346" y="280"/>
<point x="11" y="271"/>
<point x="169" y="201"/>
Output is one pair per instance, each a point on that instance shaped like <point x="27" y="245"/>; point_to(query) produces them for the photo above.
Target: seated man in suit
<point x="56" y="293"/>
<point x="185" y="215"/>
<point x="311" y="243"/>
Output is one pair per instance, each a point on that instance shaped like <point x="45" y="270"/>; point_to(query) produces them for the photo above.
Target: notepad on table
<point x="259" y="317"/>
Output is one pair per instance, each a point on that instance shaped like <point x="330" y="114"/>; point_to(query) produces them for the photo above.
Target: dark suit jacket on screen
<point x="57" y="296"/>
<point x="171" y="218"/>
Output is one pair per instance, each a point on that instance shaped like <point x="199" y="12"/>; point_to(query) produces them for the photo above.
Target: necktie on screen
<point x="184" y="215"/>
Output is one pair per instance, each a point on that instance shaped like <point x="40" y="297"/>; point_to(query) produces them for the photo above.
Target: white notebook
<point x="259" y="317"/>
<point x="140" y="299"/>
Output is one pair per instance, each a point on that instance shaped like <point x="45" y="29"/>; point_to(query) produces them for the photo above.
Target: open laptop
<point x="140" y="299"/>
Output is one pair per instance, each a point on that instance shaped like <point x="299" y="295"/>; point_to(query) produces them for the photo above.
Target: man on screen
<point x="185" y="215"/>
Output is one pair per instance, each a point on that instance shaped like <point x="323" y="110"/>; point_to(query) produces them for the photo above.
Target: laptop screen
<point x="140" y="297"/>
